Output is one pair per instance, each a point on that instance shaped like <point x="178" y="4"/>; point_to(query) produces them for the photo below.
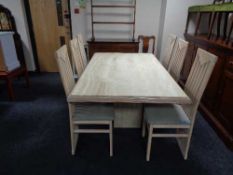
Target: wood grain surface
<point x="127" y="78"/>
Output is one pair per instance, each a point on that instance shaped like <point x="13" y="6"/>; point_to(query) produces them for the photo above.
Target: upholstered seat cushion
<point x="165" y="115"/>
<point x="94" y="112"/>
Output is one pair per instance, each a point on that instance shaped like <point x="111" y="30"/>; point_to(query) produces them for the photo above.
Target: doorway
<point x="50" y="28"/>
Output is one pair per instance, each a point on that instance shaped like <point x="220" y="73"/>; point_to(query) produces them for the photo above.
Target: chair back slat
<point x="169" y="50"/>
<point x="76" y="56"/>
<point x="82" y="49"/>
<point x="177" y="59"/>
<point x="219" y="2"/>
<point x="146" y="42"/>
<point x="65" y="69"/>
<point x="197" y="80"/>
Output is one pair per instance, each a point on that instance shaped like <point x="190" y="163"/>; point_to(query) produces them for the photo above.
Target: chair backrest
<point x="177" y="59"/>
<point x="76" y="56"/>
<point x="146" y="42"/>
<point x="197" y="80"/>
<point x="65" y="69"/>
<point x="81" y="45"/>
<point x="171" y="41"/>
<point x="219" y="1"/>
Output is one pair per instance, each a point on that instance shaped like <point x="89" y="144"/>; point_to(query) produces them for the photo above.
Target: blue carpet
<point x="34" y="139"/>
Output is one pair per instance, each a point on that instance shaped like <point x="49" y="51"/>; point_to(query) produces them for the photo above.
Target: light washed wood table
<point x="127" y="79"/>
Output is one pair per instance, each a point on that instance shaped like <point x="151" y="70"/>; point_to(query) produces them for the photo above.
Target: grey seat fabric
<point x="165" y="115"/>
<point x="94" y="112"/>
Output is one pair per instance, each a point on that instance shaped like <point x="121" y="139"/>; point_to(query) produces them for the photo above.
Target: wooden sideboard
<point x="217" y="101"/>
<point x="125" y="46"/>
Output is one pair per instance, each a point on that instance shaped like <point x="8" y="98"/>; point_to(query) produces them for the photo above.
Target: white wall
<point x="147" y="20"/>
<point x="17" y="9"/>
<point x="153" y="17"/>
<point x="175" y="18"/>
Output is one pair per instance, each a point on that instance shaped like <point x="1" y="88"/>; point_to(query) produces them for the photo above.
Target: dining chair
<point x="177" y="59"/>
<point x="146" y="40"/>
<point x="171" y="41"/>
<point x="81" y="45"/>
<point x="180" y="117"/>
<point x="82" y="114"/>
<point x="76" y="56"/>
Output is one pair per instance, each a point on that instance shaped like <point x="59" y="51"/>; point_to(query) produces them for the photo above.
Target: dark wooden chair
<point x="146" y="42"/>
<point x="8" y="25"/>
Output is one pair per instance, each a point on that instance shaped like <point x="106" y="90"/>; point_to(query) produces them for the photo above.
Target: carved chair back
<point x="169" y="50"/>
<point x="177" y="59"/>
<point x="146" y="43"/>
<point x="65" y="69"/>
<point x="197" y="80"/>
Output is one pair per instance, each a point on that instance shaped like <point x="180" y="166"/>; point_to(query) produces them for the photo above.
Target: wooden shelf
<point x="108" y="22"/>
<point x="93" y="23"/>
<point x="113" y="6"/>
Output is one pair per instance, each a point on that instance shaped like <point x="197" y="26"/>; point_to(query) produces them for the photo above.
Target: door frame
<point x="31" y="30"/>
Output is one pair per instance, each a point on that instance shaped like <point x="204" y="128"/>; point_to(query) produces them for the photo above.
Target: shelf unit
<point x="93" y="6"/>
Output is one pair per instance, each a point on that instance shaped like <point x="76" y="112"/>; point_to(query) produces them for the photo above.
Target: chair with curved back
<point x="177" y="59"/>
<point x="146" y="40"/>
<point x="83" y="113"/>
<point x="180" y="117"/>
<point x="171" y="41"/>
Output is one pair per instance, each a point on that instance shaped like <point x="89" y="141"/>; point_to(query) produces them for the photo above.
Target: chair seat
<point x="94" y="112"/>
<point x="166" y="115"/>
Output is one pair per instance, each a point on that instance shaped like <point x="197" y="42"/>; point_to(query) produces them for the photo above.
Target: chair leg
<point x="27" y="78"/>
<point x="10" y="88"/>
<point x="111" y="138"/>
<point x="184" y="144"/>
<point x="74" y="141"/>
<point x="73" y="136"/>
<point x="143" y="128"/>
<point x="149" y="143"/>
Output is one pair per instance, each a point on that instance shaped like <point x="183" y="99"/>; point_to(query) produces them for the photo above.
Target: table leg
<point x="128" y="115"/>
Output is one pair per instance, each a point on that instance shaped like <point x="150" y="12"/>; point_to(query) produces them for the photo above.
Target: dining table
<point x="129" y="81"/>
